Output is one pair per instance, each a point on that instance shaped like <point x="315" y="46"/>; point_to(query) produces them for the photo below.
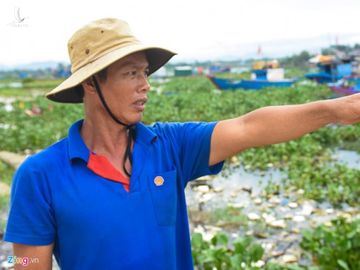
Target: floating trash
<point x="4" y="126"/>
<point x="5" y="265"/>
<point x="9" y="107"/>
<point x="238" y="205"/>
<point x="277" y="224"/>
<point x="274" y="200"/>
<point x="300" y="191"/>
<point x="289" y="258"/>
<point x="202" y="188"/>
<point x="307" y="209"/>
<point x="257" y="201"/>
<point x="268" y="218"/>
<point x="206" y="197"/>
<point x="259" y="264"/>
<point x="261" y="235"/>
<point x="247" y="189"/>
<point x="207" y="231"/>
<point x="253" y="216"/>
<point x="218" y="189"/>
<point x="293" y="205"/>
<point x="298" y="218"/>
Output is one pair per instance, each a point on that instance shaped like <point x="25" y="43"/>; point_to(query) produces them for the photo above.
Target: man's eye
<point x="130" y="73"/>
<point x="134" y="73"/>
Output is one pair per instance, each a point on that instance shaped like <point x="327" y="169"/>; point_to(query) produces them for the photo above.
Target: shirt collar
<point x="145" y="134"/>
<point x="78" y="149"/>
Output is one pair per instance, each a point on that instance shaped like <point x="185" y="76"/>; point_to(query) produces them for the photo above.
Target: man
<point x="111" y="194"/>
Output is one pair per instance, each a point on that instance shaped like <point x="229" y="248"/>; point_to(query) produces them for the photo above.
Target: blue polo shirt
<point x="93" y="221"/>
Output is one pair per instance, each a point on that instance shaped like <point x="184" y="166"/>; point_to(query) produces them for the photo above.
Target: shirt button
<point x="158" y="180"/>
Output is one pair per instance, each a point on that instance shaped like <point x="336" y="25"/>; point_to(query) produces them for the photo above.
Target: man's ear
<point x="88" y="85"/>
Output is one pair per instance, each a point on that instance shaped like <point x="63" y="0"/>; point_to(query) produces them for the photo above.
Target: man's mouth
<point x="140" y="104"/>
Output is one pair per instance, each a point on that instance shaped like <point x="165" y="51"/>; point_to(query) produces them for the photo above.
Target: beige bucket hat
<point x="96" y="46"/>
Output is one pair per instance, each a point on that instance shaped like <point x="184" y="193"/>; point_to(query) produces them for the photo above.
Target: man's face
<point x="126" y="87"/>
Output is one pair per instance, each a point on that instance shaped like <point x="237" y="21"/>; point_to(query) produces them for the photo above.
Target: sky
<point x="196" y="29"/>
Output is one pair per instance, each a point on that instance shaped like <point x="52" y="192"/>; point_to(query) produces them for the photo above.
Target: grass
<point x="43" y="84"/>
<point x="6" y="173"/>
<point x="4" y="203"/>
<point x="21" y="92"/>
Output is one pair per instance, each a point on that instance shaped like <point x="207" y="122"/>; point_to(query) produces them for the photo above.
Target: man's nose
<point x="145" y="85"/>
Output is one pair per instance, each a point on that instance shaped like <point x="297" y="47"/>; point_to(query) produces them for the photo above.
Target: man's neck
<point x="104" y="136"/>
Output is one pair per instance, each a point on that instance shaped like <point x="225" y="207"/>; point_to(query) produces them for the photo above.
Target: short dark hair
<point x="102" y="75"/>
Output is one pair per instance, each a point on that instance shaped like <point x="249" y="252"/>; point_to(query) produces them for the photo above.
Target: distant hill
<point x="3" y="67"/>
<point x="241" y="51"/>
<point x="270" y="49"/>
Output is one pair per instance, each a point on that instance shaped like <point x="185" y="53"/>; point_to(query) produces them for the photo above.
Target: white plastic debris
<point x="293" y="205"/>
<point x="298" y="218"/>
<point x="253" y="216"/>
<point x="278" y="224"/>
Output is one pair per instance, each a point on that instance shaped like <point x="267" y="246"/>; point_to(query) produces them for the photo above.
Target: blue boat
<point x="218" y="69"/>
<point x="226" y="84"/>
<point x="263" y="75"/>
<point x="329" y="69"/>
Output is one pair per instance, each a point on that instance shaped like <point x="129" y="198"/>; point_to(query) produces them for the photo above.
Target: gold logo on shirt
<point x="159" y="180"/>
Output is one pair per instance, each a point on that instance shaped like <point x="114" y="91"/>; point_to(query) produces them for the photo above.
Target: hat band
<point x="130" y="128"/>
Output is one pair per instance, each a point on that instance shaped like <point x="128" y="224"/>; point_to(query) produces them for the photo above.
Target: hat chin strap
<point x="130" y="128"/>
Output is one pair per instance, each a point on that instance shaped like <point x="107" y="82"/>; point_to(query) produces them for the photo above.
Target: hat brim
<point x="69" y="91"/>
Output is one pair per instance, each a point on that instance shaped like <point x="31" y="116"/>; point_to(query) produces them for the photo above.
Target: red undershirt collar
<point x="101" y="166"/>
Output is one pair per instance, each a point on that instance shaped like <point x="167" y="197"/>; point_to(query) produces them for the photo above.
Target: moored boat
<point x="227" y="84"/>
<point x="264" y="75"/>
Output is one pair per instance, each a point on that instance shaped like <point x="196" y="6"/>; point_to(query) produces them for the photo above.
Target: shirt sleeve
<point x="31" y="217"/>
<point x="194" y="142"/>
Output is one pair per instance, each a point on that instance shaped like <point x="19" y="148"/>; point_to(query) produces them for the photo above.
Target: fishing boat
<point x="264" y="75"/>
<point x="227" y="84"/>
<point x="330" y="69"/>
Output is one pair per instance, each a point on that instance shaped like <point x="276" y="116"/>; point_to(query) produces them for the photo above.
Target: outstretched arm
<point x="276" y="124"/>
